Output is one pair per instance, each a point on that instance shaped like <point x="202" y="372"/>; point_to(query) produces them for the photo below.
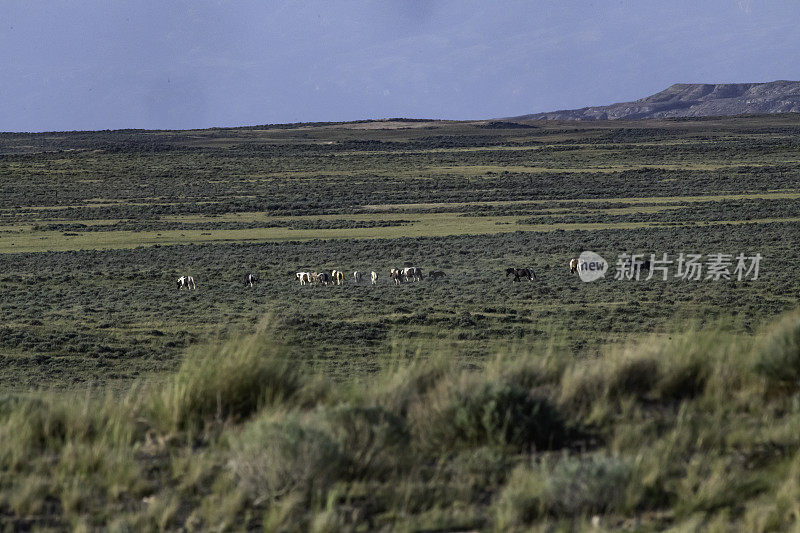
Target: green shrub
<point x="657" y="369"/>
<point x="778" y="352"/>
<point x="285" y="454"/>
<point x="711" y="482"/>
<point x="470" y="413"/>
<point x="600" y="380"/>
<point x="41" y="426"/>
<point x="401" y="384"/>
<point x="528" y="370"/>
<point x="370" y="437"/>
<point x="566" y="487"/>
<point x="231" y="380"/>
<point x="682" y="378"/>
<point x="480" y="467"/>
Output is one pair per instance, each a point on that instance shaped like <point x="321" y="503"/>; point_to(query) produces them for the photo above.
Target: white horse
<point x="304" y="277"/>
<point x="187" y="282"/>
<point x="374" y="278"/>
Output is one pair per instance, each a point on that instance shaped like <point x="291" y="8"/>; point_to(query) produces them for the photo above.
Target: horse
<point x="187" y="282"/>
<point x="337" y="276"/>
<point x="436" y="274"/>
<point x="374" y="278"/>
<point x="304" y="277"/>
<point x="357" y="277"/>
<point x="573" y="266"/>
<point x="396" y="275"/>
<point x="411" y="273"/>
<point x="520" y="273"/>
<point x="250" y="279"/>
<point x="642" y="265"/>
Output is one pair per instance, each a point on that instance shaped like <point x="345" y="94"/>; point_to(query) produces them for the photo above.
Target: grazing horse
<point x="573" y="266"/>
<point x="304" y="277"/>
<point x="324" y="278"/>
<point x="436" y="274"/>
<point x="396" y="275"/>
<point x="357" y="276"/>
<point x="520" y="273"/>
<point x="412" y="274"/>
<point x="337" y="276"/>
<point x="187" y="282"/>
<point x="374" y="278"/>
<point x="250" y="279"/>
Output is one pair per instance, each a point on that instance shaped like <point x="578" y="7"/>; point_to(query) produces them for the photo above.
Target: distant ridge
<point x="693" y="100"/>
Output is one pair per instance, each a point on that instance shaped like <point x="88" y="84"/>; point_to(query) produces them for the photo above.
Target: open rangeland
<point x="466" y="402"/>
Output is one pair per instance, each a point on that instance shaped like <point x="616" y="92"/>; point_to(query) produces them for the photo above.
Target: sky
<point x="171" y="64"/>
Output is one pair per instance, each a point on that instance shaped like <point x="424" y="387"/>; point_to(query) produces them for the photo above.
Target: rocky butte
<point x="693" y="100"/>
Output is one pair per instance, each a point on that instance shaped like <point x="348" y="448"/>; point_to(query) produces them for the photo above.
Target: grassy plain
<point x="95" y="227"/>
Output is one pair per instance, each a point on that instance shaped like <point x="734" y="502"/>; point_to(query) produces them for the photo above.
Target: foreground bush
<point x="371" y="438"/>
<point x="274" y="457"/>
<point x="233" y="379"/>
<point x="471" y="413"/>
<point x="565" y="487"/>
<point x="778" y="354"/>
<point x="672" y="432"/>
<point x="34" y="428"/>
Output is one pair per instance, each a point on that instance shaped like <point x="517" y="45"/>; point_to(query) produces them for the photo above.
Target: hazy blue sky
<point x="68" y="65"/>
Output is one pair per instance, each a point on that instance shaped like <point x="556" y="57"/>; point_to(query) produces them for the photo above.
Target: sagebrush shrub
<point x="469" y="414"/>
<point x="567" y="487"/>
<point x="778" y="357"/>
<point x="369" y="437"/>
<point x="231" y="380"/>
<point x="271" y="458"/>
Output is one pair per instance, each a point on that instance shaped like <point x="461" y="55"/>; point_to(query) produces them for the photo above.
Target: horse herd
<point x="397" y="275"/>
<point x="336" y="277"/>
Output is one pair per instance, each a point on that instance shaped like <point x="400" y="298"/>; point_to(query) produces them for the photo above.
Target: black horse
<point x="250" y="280"/>
<point x="642" y="265"/>
<point x="520" y="273"/>
<point x="436" y="274"/>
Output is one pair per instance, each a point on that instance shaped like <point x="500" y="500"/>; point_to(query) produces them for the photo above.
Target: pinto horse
<point x="520" y="273"/>
<point x="187" y="282"/>
<point x="250" y="279"/>
<point x="396" y="275"/>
